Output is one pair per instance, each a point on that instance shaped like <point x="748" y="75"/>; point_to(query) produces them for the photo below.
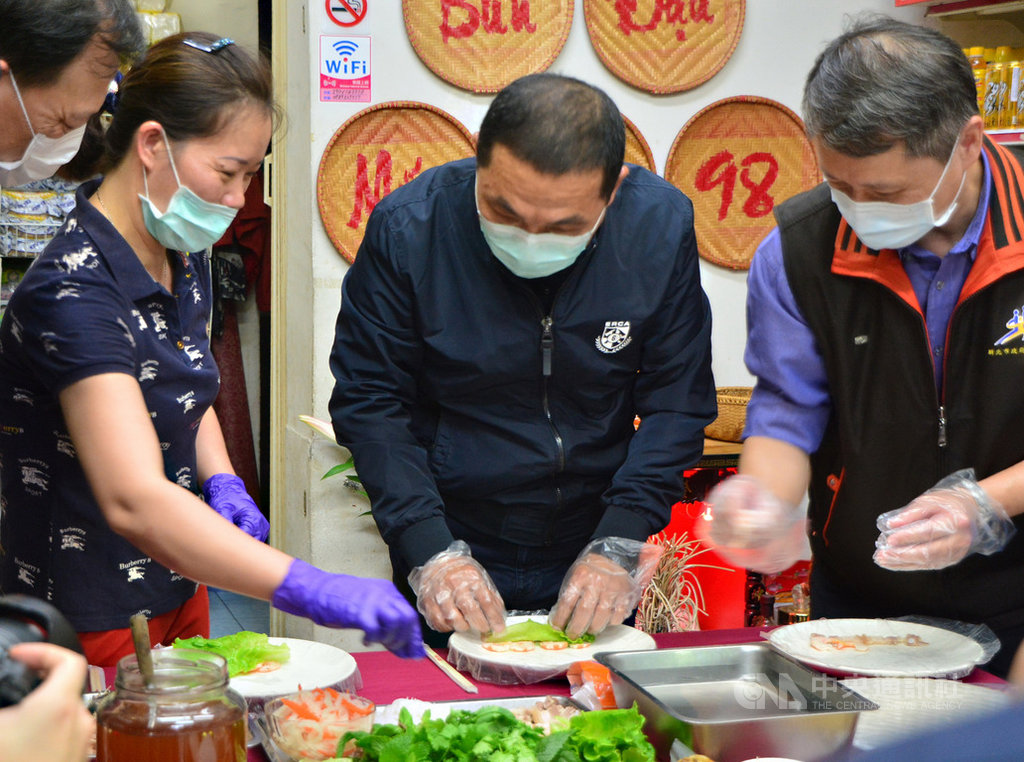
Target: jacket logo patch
<point x="615" y="336"/>
<point x="1016" y="326"/>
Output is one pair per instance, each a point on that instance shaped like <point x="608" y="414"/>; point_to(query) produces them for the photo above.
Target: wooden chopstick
<point x="457" y="677"/>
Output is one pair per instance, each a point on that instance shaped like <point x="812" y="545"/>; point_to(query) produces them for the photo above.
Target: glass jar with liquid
<point x="187" y="714"/>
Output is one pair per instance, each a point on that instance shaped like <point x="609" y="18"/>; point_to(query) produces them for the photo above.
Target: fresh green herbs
<point x="493" y="734"/>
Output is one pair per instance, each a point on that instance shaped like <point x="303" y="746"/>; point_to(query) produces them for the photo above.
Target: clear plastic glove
<point x="603" y="585"/>
<point x="338" y="600"/>
<point x="453" y="592"/>
<point x="948" y="522"/>
<point x="751" y="528"/>
<point x="226" y="494"/>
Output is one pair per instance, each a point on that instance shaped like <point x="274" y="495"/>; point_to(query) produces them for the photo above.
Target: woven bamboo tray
<point x="732" y="414"/>
<point x="481" y="45"/>
<point x="661" y="47"/>
<point x="737" y="159"/>
<point x="637" y="149"/>
<point x="376" y="151"/>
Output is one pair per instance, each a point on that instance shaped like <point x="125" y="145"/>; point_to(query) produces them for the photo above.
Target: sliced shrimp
<point x="497" y="648"/>
<point x="553" y="645"/>
<point x="266" y="666"/>
<point x="521" y="645"/>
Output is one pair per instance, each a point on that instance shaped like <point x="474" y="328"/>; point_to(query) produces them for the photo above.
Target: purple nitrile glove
<point x="226" y="494"/>
<point x="339" y="600"/>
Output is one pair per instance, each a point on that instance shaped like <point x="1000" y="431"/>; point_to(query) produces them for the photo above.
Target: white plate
<point x="947" y="654"/>
<point x="539" y="664"/>
<point x="311" y="665"/>
<point x="910" y="705"/>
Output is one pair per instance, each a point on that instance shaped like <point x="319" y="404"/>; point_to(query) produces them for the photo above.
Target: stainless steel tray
<point x="736" y="702"/>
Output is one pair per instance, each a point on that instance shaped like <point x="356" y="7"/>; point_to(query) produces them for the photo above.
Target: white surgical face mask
<point x="534" y="255"/>
<point x="883" y="225"/>
<point x="44" y="155"/>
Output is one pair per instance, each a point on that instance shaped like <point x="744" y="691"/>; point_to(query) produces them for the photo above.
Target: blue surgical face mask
<point x="43" y="156"/>
<point x="190" y="223"/>
<point x="884" y="225"/>
<point x="533" y="255"/>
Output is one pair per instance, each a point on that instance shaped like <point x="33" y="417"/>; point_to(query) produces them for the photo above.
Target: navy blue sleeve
<point x="674" y="396"/>
<point x="374" y="359"/>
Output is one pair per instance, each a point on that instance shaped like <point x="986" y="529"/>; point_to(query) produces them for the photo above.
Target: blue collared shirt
<point x="86" y="307"/>
<point x="791" y="401"/>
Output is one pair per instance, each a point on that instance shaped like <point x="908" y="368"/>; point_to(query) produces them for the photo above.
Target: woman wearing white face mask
<point x="108" y="382"/>
<point x="57" y="58"/>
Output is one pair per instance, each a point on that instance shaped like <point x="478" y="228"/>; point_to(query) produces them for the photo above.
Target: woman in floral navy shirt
<point x="107" y="428"/>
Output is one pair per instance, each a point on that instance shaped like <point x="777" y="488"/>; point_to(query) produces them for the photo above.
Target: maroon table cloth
<point x="386" y="677"/>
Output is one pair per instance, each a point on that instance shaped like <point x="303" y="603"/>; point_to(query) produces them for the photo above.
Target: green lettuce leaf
<point x="611" y="735"/>
<point x="493" y="734"/>
<point x="244" y="650"/>
<point x="537" y="632"/>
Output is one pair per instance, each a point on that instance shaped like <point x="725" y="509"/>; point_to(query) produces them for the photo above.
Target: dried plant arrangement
<point x="673" y="598"/>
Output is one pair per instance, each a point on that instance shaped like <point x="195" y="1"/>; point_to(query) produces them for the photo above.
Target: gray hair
<point x="885" y="82"/>
<point x="41" y="38"/>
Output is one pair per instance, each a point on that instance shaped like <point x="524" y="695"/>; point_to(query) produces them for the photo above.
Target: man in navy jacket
<point x="506" y="319"/>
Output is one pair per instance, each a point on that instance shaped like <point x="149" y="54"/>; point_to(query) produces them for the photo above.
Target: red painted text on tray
<point x="366" y="198"/>
<point x="720" y="170"/>
<point x="463" y="18"/>
<point x="672" y="12"/>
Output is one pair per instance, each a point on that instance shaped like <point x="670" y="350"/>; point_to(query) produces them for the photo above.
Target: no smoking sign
<point x="346" y="12"/>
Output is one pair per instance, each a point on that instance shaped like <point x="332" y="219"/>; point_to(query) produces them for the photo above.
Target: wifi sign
<point x="344" y="68"/>
<point x="349" y="62"/>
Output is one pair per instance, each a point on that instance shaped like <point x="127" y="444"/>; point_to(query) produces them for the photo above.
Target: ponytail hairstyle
<point x="191" y="84"/>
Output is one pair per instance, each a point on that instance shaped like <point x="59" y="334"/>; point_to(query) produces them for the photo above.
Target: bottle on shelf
<point x="976" y="57"/>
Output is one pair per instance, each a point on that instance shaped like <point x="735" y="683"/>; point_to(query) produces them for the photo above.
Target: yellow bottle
<point x="997" y="90"/>
<point x="1004" y="54"/>
<point x="976" y="57"/>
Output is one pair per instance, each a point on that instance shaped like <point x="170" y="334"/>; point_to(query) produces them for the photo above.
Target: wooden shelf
<point x="956" y="7"/>
<point x="976" y="22"/>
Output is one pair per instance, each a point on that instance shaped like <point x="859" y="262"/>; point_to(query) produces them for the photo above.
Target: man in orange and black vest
<point x="886" y="331"/>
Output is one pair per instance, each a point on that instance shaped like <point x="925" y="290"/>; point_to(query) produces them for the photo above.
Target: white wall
<point x="779" y="42"/>
<point x="237" y="19"/>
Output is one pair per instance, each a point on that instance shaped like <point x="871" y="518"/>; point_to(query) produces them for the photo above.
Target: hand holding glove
<point x="338" y="600"/>
<point x="603" y="585"/>
<point x="453" y="592"/>
<point x="948" y="522"/>
<point x="226" y="494"/>
<point x="751" y="528"/>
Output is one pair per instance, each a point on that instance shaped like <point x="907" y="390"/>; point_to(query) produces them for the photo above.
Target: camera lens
<point x="16" y="680"/>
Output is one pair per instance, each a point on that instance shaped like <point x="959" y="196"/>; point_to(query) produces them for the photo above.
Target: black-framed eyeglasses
<point x="212" y="47"/>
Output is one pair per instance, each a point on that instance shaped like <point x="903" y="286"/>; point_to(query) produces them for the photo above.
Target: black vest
<point x="891" y="435"/>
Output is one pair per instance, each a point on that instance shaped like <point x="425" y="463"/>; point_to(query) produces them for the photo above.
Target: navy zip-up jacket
<point x="459" y="394"/>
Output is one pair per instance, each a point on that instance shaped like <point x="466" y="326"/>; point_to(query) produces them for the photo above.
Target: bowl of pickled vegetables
<point x="309" y="724"/>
